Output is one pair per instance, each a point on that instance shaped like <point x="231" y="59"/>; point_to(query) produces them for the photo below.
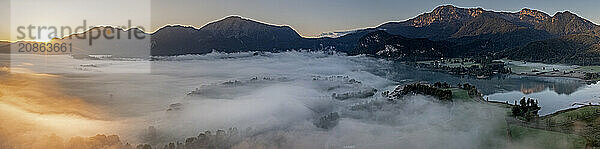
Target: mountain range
<point x="232" y="34"/>
<point x="474" y="31"/>
<point x="447" y="31"/>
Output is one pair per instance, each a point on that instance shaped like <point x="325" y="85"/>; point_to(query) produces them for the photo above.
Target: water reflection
<point x="500" y="83"/>
<point x="551" y="101"/>
<point x="525" y="89"/>
<point x="554" y="93"/>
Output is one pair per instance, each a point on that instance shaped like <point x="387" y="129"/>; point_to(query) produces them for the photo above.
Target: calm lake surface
<point x="553" y="93"/>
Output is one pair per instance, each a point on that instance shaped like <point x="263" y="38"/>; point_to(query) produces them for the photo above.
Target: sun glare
<point x="43" y="36"/>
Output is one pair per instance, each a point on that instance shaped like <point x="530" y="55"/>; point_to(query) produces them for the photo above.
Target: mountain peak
<point x="454" y="8"/>
<point x="534" y="13"/>
<point x="239" y="27"/>
<point x="445" y="7"/>
<point x="564" y="23"/>
<point x="234" y="18"/>
<point x="233" y="22"/>
<point x="230" y="34"/>
<point x="565" y="14"/>
<point x="446" y="14"/>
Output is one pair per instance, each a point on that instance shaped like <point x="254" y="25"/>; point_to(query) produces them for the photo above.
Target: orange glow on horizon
<point x="33" y="106"/>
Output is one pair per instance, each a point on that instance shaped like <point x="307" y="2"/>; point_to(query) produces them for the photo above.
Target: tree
<point x="527" y="108"/>
<point x="144" y="146"/>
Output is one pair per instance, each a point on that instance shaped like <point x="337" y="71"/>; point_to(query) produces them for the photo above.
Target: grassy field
<point x="576" y="136"/>
<point x="537" y="138"/>
<point x="573" y="115"/>
<point x="524" y="137"/>
<point x="460" y="95"/>
<point x="570" y="129"/>
<point x="519" y="67"/>
<point x="583" y="121"/>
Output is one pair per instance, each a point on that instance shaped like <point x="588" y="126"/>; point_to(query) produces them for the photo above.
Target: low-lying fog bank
<point x="274" y="100"/>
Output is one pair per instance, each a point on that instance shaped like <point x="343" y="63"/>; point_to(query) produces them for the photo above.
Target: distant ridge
<point x="445" y="21"/>
<point x="459" y="32"/>
<point x="383" y="44"/>
<point x="231" y="34"/>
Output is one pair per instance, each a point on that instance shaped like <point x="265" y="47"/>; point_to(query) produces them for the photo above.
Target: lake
<point x="553" y="93"/>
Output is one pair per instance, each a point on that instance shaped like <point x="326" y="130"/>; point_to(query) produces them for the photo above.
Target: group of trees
<point x="440" y="90"/>
<point x="207" y="139"/>
<point x="592" y="76"/>
<point x="328" y="121"/>
<point x="485" y="67"/>
<point x="471" y="90"/>
<point x="425" y="89"/>
<point x="579" y="49"/>
<point x="357" y="94"/>
<point x="526" y="108"/>
<point x="441" y="85"/>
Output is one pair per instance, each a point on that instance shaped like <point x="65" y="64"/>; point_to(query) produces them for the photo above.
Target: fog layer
<point x="274" y="99"/>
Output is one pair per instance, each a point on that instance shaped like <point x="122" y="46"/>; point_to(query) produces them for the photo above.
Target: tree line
<point x="526" y="109"/>
<point x="425" y="89"/>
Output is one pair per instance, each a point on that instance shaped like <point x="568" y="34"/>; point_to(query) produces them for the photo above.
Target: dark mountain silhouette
<point x="237" y="27"/>
<point x="175" y="40"/>
<point x="232" y="34"/>
<point x="237" y="34"/>
<point x="580" y="49"/>
<point x="383" y="44"/>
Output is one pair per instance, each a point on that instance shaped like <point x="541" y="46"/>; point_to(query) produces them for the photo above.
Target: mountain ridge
<point x="467" y="32"/>
<point x="444" y="21"/>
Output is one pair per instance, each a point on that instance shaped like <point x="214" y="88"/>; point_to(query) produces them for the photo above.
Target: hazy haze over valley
<point x="498" y="75"/>
<point x="283" y="106"/>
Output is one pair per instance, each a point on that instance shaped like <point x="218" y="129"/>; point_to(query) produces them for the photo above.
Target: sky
<point x="308" y="17"/>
